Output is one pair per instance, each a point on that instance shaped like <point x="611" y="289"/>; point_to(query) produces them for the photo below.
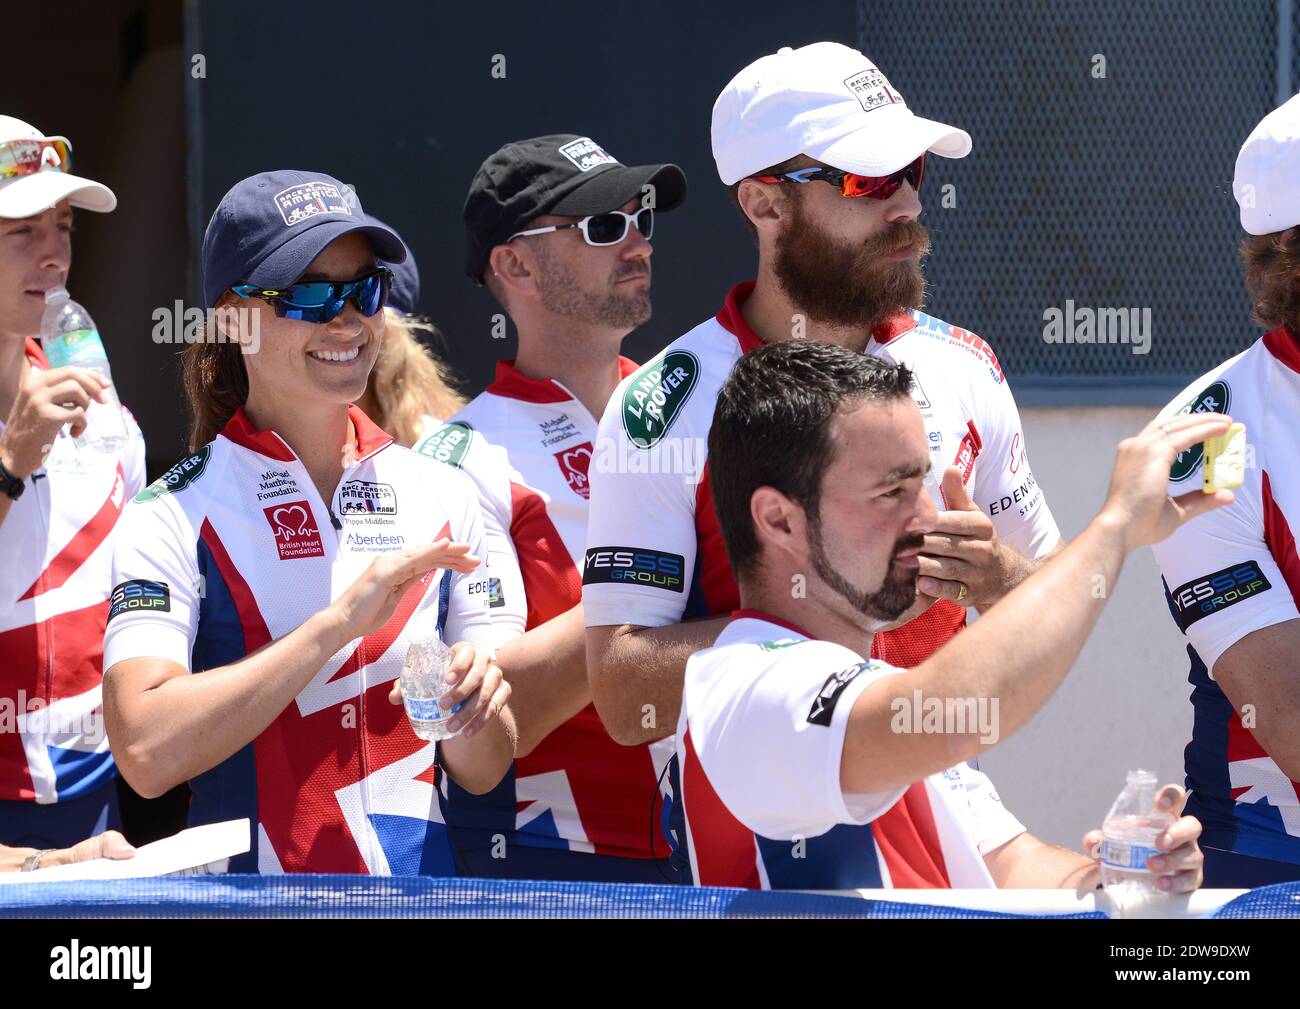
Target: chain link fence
<point x="1097" y="200"/>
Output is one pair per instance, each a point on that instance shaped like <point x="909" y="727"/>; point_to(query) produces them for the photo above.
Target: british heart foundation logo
<point x="574" y="464"/>
<point x="295" y="530"/>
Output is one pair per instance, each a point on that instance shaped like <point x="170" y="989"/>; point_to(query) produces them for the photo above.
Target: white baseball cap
<point x="829" y="102"/>
<point x="1267" y="179"/>
<point x="27" y="195"/>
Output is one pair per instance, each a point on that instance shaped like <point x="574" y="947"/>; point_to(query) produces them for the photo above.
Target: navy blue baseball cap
<point x="268" y="228"/>
<point x="405" y="294"/>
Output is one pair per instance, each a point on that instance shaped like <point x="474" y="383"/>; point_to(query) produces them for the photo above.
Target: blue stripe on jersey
<point x="843" y="858"/>
<point x="414" y="847"/>
<point x="674" y="823"/>
<point x="444" y="602"/>
<point x="1248" y="828"/>
<point x="229" y="790"/>
<point x="77" y="772"/>
<point x="697" y="608"/>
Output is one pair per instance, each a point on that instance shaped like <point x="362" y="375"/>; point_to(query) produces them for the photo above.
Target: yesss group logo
<point x="296" y="533"/>
<point x="637" y="566"/>
<point x="1211" y="593"/>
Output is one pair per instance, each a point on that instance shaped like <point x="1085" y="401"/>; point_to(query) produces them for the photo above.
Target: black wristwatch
<point x="10" y="484"/>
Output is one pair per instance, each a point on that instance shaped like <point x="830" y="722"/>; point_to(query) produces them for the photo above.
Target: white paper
<point x="196" y="851"/>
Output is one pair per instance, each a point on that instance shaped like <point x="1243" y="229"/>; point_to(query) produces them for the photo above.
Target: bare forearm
<point x="186" y="725"/>
<point x="1015" y="655"/>
<point x="547" y="671"/>
<point x="477" y="763"/>
<point x="1028" y="863"/>
<point x="636" y="675"/>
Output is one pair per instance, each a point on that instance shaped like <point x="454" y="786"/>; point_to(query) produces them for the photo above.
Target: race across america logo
<point x="1210" y="593"/>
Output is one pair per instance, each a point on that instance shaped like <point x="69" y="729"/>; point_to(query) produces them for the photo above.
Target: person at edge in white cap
<point x="823" y="158"/>
<point x="1232" y="578"/>
<point x="58" y="510"/>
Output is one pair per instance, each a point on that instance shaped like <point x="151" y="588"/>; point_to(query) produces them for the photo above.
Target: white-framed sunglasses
<point x="602" y="229"/>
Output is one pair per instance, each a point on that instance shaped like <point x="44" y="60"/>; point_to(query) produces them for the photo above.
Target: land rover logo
<point x="448" y="444"/>
<point x="178" y="477"/>
<point x="1212" y="400"/>
<point x="656" y="395"/>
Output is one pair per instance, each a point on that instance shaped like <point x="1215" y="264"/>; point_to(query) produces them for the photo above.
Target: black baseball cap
<point x="269" y="227"/>
<point x="561" y="173"/>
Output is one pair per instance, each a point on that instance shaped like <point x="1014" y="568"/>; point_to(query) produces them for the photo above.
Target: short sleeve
<point x="1005" y="488"/>
<point x="154" y="608"/>
<point x="133" y="458"/>
<point x="1221" y="579"/>
<point x="467" y="616"/>
<point x="772" y="747"/>
<point x="991" y="823"/>
<point x="641" y="534"/>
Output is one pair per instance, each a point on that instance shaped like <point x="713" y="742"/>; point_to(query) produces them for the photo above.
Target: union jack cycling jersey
<point x="56" y="545"/>
<point x="655" y="553"/>
<point x="233" y="548"/>
<point x="527" y="443"/>
<point x="756" y="777"/>
<point x="1229" y="573"/>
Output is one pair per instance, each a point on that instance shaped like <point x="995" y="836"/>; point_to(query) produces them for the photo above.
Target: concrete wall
<point x="1125" y="704"/>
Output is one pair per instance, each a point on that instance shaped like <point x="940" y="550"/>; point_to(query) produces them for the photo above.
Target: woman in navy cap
<point x="290" y="561"/>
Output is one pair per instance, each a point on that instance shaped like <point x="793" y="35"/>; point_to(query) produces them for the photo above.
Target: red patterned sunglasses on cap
<point x="27" y="157"/>
<point x="875" y="187"/>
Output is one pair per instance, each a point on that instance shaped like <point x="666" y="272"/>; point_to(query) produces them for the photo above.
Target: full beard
<point x="887" y="603"/>
<point x="846" y="284"/>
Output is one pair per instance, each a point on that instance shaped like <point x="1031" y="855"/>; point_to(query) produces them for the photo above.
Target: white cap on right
<point x="1266" y="183"/>
<point x="829" y="102"/>
<point x="29" y="194"/>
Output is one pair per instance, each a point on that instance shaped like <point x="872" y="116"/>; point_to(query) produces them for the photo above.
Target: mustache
<point x="635" y="271"/>
<point x="913" y="542"/>
<point x="900" y="236"/>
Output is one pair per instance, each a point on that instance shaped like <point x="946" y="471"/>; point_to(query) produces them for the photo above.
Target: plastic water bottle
<point x="70" y="339"/>
<point x="1129" y="838"/>
<point x="424" y="682"/>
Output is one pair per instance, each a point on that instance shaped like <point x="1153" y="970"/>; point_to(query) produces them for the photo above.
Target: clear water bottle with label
<point x="1129" y="837"/>
<point x="71" y="339"/>
<point x="424" y="683"/>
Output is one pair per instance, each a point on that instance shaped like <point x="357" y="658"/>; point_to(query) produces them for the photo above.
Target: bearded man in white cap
<point x="824" y="160"/>
<point x="1232" y="577"/>
<point x="58" y="510"/>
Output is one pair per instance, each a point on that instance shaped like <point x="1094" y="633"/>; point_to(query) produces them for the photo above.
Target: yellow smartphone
<point x="1225" y="460"/>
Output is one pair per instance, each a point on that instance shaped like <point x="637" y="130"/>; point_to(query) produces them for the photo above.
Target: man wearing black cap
<point x="559" y="231"/>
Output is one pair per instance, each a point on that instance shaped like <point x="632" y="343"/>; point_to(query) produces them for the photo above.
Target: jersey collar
<point x="513" y="384"/>
<point x="36" y="354"/>
<point x="239" y="429"/>
<point x="768" y="618"/>
<point x="1284" y="346"/>
<point x="733" y="321"/>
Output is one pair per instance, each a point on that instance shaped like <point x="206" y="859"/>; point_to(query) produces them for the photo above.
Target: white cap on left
<point x="28" y="195"/>
<point x="1266" y="183"/>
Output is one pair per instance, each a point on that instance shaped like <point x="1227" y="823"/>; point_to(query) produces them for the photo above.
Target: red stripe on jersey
<point x="760" y="615"/>
<point x="373" y="646"/>
<point x="551" y="582"/>
<point x="300" y="761"/>
<point x="908" y="841"/>
<point x="730" y="856"/>
<point x="66" y="562"/>
<point x="1281" y="542"/>
<point x="1242" y="744"/>
<point x="603" y="776"/>
<point x="721" y="595"/>
<point x="67" y="649"/>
